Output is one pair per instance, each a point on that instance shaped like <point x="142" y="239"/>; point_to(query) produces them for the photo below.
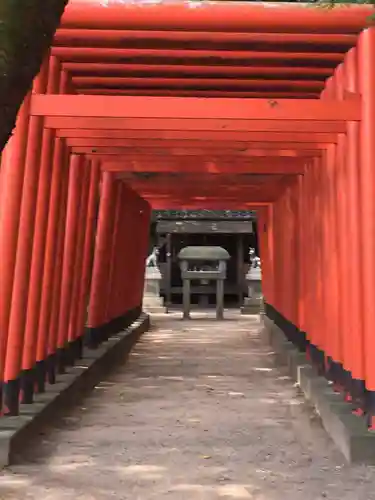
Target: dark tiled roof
<point x="203" y="214"/>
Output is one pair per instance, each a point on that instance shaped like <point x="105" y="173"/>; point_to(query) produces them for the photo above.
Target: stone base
<point x="155" y="310"/>
<point x="252" y="305"/>
<point x="349" y="433"/>
<point x="17" y="433"/>
<point x="154" y="305"/>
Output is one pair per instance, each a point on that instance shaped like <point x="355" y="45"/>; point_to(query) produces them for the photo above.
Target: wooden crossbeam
<point x="156" y="127"/>
<point x="144" y="137"/>
<point x="177" y="152"/>
<point x="190" y="108"/>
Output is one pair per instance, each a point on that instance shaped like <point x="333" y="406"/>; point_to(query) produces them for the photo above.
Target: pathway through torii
<point x="199" y="412"/>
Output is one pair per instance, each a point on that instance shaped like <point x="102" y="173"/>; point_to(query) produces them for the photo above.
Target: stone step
<point x="155" y="310"/>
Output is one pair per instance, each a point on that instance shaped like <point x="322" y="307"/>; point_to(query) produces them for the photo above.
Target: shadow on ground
<point x="199" y="412"/>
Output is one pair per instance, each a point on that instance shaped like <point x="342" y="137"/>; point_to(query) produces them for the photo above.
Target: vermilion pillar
<point x="123" y="277"/>
<point x="74" y="332"/>
<point x="334" y="340"/>
<point x="55" y="362"/>
<point x="17" y="319"/>
<point x="353" y="224"/>
<point x="144" y="219"/>
<point x="327" y="249"/>
<point x="51" y="262"/>
<point x="89" y="243"/>
<point x="69" y="255"/>
<point x="301" y="259"/>
<point x="277" y="258"/>
<point x="366" y="73"/>
<point x="119" y="277"/>
<point x="305" y="256"/>
<point x="12" y="176"/>
<point x="320" y="285"/>
<point x="97" y="304"/>
<point x="275" y="261"/>
<point x="74" y="340"/>
<point x="342" y="210"/>
<point x="114" y="259"/>
<point x="271" y="301"/>
<point x="283" y="290"/>
<point x="130" y="256"/>
<point x="294" y="210"/>
<point x="310" y="250"/>
<point x="47" y="340"/>
<point x="289" y="263"/>
<point x="38" y="251"/>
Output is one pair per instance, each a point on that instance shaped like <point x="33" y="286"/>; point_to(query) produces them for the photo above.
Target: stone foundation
<point x="349" y="432"/>
<point x="17" y="433"/>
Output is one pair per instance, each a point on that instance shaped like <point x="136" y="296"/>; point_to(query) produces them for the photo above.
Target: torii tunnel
<point x="175" y="105"/>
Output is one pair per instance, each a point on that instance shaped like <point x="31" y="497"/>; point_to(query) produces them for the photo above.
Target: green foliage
<point x="340" y="2"/>
<point x="333" y="3"/>
<point x="330" y="4"/>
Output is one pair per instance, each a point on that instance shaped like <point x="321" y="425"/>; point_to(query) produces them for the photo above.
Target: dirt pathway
<point x="199" y="412"/>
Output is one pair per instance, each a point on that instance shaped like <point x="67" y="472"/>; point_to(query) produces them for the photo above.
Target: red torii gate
<point x="168" y="90"/>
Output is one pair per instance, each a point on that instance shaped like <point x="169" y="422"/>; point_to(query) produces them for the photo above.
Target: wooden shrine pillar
<point x="12" y="177"/>
<point x="28" y="375"/>
<point x="366" y="65"/>
<point x="97" y="305"/>
<point x="46" y="345"/>
<point x="353" y="228"/>
<point x="20" y="291"/>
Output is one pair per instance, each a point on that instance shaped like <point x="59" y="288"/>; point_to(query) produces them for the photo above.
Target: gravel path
<point x="199" y="412"/>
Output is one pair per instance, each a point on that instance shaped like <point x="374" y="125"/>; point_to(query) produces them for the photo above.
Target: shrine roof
<point x="203" y="215"/>
<point x="203" y="253"/>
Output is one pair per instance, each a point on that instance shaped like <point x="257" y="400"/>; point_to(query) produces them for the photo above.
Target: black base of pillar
<point x="370" y="409"/>
<point x="61" y="361"/>
<point x="314" y="353"/>
<point x="73" y="351"/>
<point x="318" y="359"/>
<point x="70" y="354"/>
<point x="291" y="331"/>
<point x="341" y="377"/>
<point x="347" y="383"/>
<point x="335" y="373"/>
<point x="358" y="396"/>
<point x="93" y="337"/>
<point x="51" y="369"/>
<point x="302" y="341"/>
<point x="27" y="386"/>
<point x="40" y="376"/>
<point x="330" y="369"/>
<point x="11" y="393"/>
<point x="353" y="390"/>
<point x="79" y="348"/>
